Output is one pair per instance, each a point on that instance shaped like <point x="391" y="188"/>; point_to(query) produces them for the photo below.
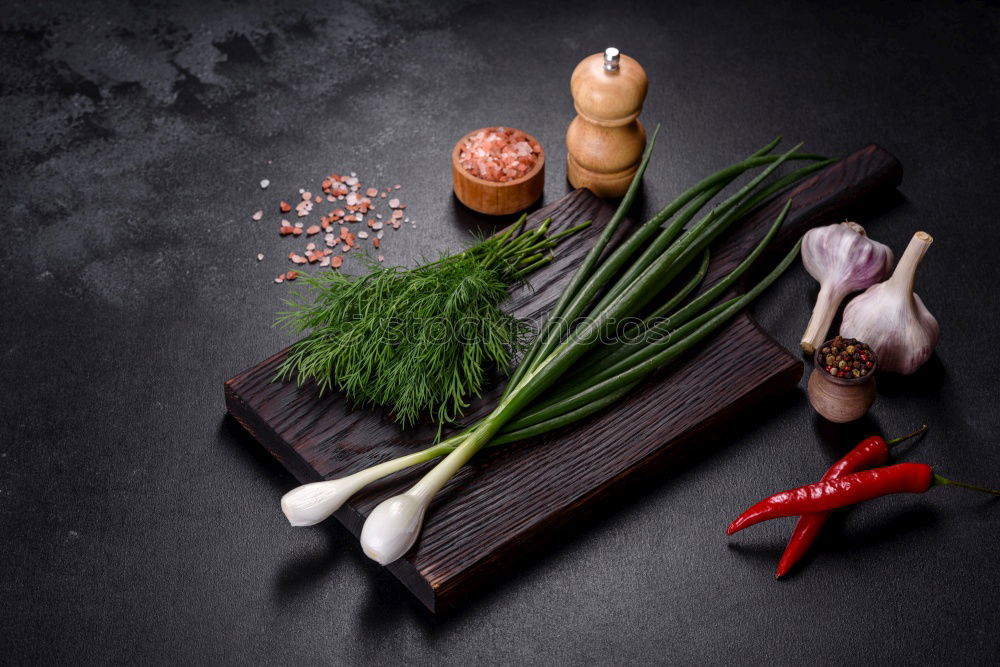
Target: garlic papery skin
<point x="892" y="318"/>
<point x="842" y="259"/>
<point x="393" y="527"/>
<point x="309" y="504"/>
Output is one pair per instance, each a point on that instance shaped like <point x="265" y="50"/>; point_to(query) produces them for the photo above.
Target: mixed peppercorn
<point x="847" y="358"/>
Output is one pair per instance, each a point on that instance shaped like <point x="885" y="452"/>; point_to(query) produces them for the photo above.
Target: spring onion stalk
<point x="638" y="371"/>
<point x="662" y="325"/>
<point x="548" y="338"/>
<point x="579" y="291"/>
<point x="309" y="504"/>
<point x="567" y="310"/>
<point x="648" y="358"/>
<point x="623" y="299"/>
<point x="682" y="293"/>
<point x="563" y="410"/>
<point x="606" y="288"/>
<point x="589" y="261"/>
<point x="734" y="208"/>
<point x="527" y="270"/>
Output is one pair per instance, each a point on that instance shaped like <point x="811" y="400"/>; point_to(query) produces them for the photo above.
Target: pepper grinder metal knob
<point x="605" y="141"/>
<point x="611" y="58"/>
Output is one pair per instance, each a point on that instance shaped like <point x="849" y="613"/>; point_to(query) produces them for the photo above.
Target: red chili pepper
<point x="850" y="489"/>
<point x="869" y="453"/>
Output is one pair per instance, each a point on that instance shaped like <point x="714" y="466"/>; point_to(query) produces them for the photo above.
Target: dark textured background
<point x="140" y="524"/>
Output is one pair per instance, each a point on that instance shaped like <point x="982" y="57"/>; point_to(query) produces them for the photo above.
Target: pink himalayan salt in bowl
<point x="491" y="150"/>
<point x="499" y="154"/>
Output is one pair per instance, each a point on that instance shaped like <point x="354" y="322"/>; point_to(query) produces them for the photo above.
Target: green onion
<point x="589" y="261"/>
<point x="645" y="359"/>
<point x="683" y="292"/>
<point x="582" y="289"/>
<point x="607" y="288"/>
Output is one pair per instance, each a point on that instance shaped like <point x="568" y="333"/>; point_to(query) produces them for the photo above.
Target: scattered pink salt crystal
<point x="358" y="200"/>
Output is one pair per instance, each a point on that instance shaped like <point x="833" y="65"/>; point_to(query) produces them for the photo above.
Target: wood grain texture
<point x="507" y="501"/>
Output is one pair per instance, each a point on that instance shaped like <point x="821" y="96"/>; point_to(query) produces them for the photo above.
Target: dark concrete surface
<point x="141" y="526"/>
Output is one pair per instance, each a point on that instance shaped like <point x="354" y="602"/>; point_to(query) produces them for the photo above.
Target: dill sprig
<point x="415" y="340"/>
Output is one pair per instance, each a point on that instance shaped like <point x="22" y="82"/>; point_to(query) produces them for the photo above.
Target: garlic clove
<point x="842" y="259"/>
<point x="893" y="319"/>
<point x="393" y="526"/>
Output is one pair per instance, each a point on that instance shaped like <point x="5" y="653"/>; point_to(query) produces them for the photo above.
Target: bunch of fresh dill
<point x="416" y="340"/>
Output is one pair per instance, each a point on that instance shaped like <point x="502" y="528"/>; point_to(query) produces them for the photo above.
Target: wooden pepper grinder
<point x="605" y="141"/>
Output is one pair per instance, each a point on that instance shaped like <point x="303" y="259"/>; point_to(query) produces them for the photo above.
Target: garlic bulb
<point x="843" y="259"/>
<point x="892" y="318"/>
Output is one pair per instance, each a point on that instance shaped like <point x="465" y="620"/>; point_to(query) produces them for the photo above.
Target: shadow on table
<point x="247" y="451"/>
<point x="836" y="538"/>
<point x="928" y="382"/>
<point x="297" y="575"/>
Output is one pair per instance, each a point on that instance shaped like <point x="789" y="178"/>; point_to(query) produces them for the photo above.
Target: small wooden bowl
<point x="840" y="400"/>
<point x="494" y="198"/>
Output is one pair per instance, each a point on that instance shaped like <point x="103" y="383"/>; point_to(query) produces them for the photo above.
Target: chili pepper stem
<point x="902" y="438"/>
<point x="944" y="481"/>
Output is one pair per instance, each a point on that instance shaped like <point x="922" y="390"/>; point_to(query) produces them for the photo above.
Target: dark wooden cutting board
<point x="507" y="501"/>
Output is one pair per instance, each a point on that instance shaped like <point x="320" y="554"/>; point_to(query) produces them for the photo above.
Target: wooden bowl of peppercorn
<point x="842" y="385"/>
